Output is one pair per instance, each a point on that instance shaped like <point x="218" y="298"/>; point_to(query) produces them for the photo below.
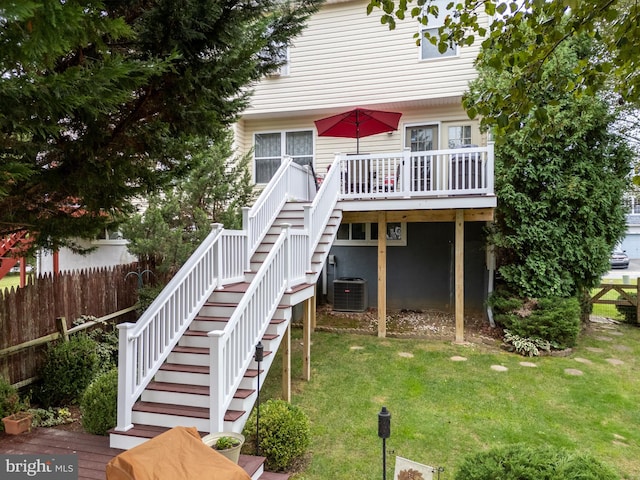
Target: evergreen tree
<point x="177" y="220"/>
<point x="559" y="183"/>
<point x="101" y="99"/>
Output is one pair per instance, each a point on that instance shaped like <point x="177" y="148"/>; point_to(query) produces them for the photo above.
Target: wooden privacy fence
<point x="30" y="313"/>
<point x="627" y="295"/>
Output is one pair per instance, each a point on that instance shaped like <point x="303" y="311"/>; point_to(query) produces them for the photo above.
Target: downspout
<point x="491" y="266"/>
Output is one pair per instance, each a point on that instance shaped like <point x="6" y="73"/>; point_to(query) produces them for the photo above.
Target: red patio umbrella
<point x="357" y="123"/>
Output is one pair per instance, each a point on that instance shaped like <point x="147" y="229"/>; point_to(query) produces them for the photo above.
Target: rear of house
<point x="346" y="59"/>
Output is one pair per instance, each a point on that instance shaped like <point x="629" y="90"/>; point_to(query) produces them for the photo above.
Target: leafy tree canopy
<point x="101" y="99"/>
<point x="560" y="194"/>
<point x="613" y="24"/>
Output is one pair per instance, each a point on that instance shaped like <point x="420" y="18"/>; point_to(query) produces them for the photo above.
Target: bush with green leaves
<point x="99" y="405"/>
<point x="555" y="320"/>
<point x="68" y="368"/>
<point x="106" y="337"/>
<point x="526" y="346"/>
<point x="284" y="432"/>
<point x="50" y="417"/>
<point x="629" y="312"/>
<point x="9" y="400"/>
<point x="525" y="462"/>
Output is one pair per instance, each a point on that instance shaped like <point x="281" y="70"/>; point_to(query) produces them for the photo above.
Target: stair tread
<point x="274" y="476"/>
<point x="196" y="350"/>
<point x="179" y="388"/>
<point x="239" y="287"/>
<point x="192" y="389"/>
<point x="207" y="318"/>
<point x="177" y="367"/>
<point x="183" y="410"/>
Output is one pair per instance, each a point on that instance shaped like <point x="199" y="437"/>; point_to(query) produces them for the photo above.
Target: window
<point x="459" y="136"/>
<point x="421" y="138"/>
<point x="270" y="148"/>
<point x="367" y="234"/>
<point x="429" y="51"/>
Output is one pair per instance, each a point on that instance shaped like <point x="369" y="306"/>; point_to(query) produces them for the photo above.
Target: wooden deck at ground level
<point x="93" y="451"/>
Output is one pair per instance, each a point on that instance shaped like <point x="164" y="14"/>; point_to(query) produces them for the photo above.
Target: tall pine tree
<point x="101" y="99"/>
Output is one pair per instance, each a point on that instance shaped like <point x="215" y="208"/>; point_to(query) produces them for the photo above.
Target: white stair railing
<point x="290" y="182"/>
<point x="145" y="345"/>
<point x="317" y="214"/>
<point x="232" y="348"/>
<point x="221" y="259"/>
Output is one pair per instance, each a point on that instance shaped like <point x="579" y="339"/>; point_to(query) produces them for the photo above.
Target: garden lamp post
<point x="384" y="432"/>
<point x="258" y="358"/>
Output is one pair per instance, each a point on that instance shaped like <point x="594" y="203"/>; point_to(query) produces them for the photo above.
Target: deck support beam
<point x="459" y="276"/>
<point x="286" y="365"/>
<point x="382" y="274"/>
<point x="307" y="327"/>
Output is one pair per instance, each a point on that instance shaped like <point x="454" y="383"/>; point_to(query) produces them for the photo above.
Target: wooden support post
<point x="312" y="308"/>
<point x="286" y="365"/>
<point x="306" y="339"/>
<point x="459" y="276"/>
<point x="62" y="328"/>
<point x="638" y="301"/>
<point x="382" y="274"/>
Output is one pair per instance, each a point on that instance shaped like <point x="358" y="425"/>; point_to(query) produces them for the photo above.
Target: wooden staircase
<point x="179" y="394"/>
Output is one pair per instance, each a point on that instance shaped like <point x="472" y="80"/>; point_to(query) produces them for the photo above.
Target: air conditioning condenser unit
<point x="350" y="294"/>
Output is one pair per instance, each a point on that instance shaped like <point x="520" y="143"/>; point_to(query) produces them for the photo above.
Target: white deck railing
<point x="221" y="259"/>
<point x="460" y="171"/>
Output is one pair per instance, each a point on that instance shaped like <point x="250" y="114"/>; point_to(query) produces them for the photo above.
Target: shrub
<point x="555" y="320"/>
<point x="106" y="338"/>
<point x="9" y="400"/>
<point x="284" y="434"/>
<point x="50" y="417"/>
<point x="523" y="462"/>
<point x="68" y="368"/>
<point x="99" y="405"/>
<point x="629" y="312"/>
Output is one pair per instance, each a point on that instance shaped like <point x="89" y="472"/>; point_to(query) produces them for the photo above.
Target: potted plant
<point x="16" y="419"/>
<point x="17" y="423"/>
<point x="225" y="443"/>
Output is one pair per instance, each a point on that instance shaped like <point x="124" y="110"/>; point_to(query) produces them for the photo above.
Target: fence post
<point x="62" y="328"/>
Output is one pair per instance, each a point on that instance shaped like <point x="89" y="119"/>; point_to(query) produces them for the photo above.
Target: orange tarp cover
<point x="177" y="454"/>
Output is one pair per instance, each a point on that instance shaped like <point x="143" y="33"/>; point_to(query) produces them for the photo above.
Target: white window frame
<point x="432" y="27"/>
<point x="283" y="148"/>
<point x="284" y="69"/>
<point x="368" y="241"/>
<point x="464" y="139"/>
<point x="109" y="238"/>
<point x="407" y="126"/>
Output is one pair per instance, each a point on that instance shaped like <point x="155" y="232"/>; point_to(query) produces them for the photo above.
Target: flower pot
<point x="17" y="423"/>
<point x="232" y="453"/>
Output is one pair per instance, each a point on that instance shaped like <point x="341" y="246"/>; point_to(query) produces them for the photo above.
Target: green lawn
<point x="442" y="410"/>
<point x="11" y="280"/>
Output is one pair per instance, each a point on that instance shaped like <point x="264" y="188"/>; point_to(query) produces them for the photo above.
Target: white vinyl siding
<point x="346" y="58"/>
